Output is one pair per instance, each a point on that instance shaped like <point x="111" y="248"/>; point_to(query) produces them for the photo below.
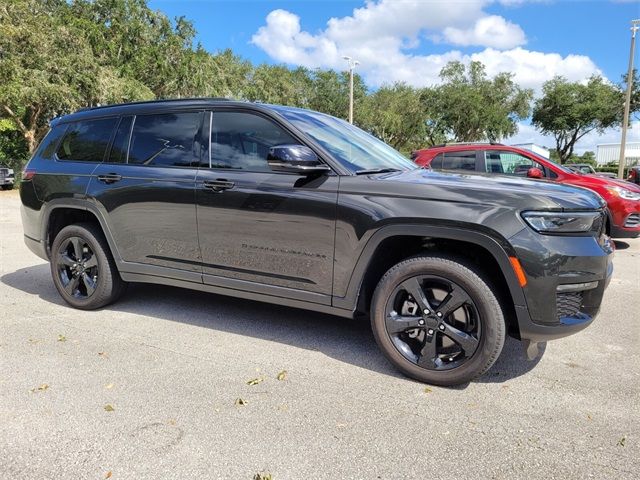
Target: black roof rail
<point x="465" y="143"/>
<point x="158" y="100"/>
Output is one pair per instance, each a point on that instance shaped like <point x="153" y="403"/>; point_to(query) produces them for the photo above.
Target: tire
<point x="451" y="349"/>
<point x="92" y="282"/>
<point x="7" y="187"/>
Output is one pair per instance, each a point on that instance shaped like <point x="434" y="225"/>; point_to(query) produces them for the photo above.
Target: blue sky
<point x="410" y="40"/>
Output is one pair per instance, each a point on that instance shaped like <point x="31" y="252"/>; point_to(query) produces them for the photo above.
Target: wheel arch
<point x="60" y="213"/>
<point x="489" y="256"/>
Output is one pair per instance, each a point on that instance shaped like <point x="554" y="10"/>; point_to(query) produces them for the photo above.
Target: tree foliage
<point x="570" y="110"/>
<point x="468" y="106"/>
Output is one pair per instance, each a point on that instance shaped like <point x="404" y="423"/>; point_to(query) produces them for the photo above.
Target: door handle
<point x="219" y="185"/>
<point x="109" y="178"/>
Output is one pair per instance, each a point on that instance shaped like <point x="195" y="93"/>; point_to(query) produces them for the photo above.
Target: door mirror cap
<point x="535" y="173"/>
<point x="295" y="159"/>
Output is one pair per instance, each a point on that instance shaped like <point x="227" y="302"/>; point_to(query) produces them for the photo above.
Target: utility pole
<point x="352" y="65"/>
<point x="627" y="102"/>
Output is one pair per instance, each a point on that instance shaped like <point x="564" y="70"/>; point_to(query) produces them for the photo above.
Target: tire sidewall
<point x="492" y="325"/>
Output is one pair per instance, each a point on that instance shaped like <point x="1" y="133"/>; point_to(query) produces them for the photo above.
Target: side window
<point x="120" y="145"/>
<point x="86" y="141"/>
<point x="167" y="140"/>
<point x="242" y="141"/>
<point x="459" y="160"/>
<point x="48" y="146"/>
<point x="508" y="163"/>
<point x="437" y="161"/>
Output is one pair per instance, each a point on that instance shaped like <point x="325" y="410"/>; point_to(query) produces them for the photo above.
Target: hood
<point x="597" y="180"/>
<point x="489" y="189"/>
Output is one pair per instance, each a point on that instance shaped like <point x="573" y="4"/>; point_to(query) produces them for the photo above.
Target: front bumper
<point x="566" y="280"/>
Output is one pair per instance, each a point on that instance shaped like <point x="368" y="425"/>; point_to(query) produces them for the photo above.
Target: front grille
<point x="568" y="304"/>
<point x="4" y="172"/>
<point x="633" y="220"/>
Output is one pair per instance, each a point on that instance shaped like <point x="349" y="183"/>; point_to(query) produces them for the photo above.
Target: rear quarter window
<point x="86" y="141"/>
<point x="49" y="143"/>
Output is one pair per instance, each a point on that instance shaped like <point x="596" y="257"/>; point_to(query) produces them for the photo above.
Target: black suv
<point x="298" y="208"/>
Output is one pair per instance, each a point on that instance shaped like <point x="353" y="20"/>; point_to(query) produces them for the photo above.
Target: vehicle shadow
<point x="620" y="245"/>
<point x="346" y="340"/>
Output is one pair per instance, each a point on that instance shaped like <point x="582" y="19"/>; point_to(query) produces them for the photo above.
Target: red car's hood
<point x="594" y="180"/>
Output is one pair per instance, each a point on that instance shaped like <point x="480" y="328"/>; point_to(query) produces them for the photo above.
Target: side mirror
<point x="535" y="173"/>
<point x="295" y="159"/>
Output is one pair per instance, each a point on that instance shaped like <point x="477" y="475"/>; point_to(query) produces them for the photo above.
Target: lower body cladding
<point x="566" y="279"/>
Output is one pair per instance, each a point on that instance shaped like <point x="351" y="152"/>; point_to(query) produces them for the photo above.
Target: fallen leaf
<point x="282" y="375"/>
<point x="33" y="341"/>
<point x="589" y="417"/>
<point x="621" y="441"/>
<point x="240" y="402"/>
<point x="255" y="381"/>
<point x="109" y="386"/>
<point x="108" y="475"/>
<point x="109" y="408"/>
<point x="41" y="388"/>
<point x="103" y="354"/>
<point x="427" y="390"/>
<point x="171" y="422"/>
<point x="62" y="338"/>
<point x="262" y="476"/>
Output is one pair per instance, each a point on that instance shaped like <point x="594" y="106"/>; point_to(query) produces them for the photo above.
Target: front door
<point x="146" y="191"/>
<point x="274" y="230"/>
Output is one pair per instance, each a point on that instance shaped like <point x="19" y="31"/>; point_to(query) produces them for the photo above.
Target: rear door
<point x="464" y="160"/>
<point x="146" y="191"/>
<point x="268" y="231"/>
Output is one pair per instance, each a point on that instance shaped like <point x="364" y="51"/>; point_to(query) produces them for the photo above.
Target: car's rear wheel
<point x="437" y="320"/>
<point x="83" y="269"/>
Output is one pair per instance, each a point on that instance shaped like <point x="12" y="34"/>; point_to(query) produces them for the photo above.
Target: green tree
<point x="330" y="93"/>
<point x="570" y="110"/>
<point x="468" y="106"/>
<point x="394" y="114"/>
<point x="48" y="67"/>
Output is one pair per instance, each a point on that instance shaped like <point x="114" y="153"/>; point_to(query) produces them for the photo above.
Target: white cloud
<point x="490" y="31"/>
<point x="383" y="36"/>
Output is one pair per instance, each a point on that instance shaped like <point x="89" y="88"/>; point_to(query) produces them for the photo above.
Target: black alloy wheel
<point x="438" y="320"/>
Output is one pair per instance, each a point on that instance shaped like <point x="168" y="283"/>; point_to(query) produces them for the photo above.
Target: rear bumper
<point x="566" y="280"/>
<point x="36" y="246"/>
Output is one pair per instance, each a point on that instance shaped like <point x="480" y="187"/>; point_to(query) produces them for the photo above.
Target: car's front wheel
<point x="83" y="269"/>
<point x="437" y="320"/>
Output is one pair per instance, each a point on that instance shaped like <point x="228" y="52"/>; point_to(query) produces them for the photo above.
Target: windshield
<point x="354" y="148"/>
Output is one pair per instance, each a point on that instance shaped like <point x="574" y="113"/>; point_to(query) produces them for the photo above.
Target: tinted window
<point x="168" y="139"/>
<point x="509" y="163"/>
<point x="86" y="141"/>
<point x="242" y="141"/>
<point x="48" y="146"/>
<point x="120" y="145"/>
<point x="437" y="161"/>
<point x="459" y="161"/>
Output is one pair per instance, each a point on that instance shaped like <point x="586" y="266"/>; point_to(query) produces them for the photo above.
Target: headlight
<point x="562" y="222"/>
<point x="624" y="193"/>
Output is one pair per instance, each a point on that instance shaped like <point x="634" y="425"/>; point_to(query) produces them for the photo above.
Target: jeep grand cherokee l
<point x="298" y="208"/>
<point x="623" y="198"/>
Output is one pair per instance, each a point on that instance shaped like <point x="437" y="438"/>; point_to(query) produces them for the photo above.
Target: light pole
<point x="627" y="102"/>
<point x="352" y="65"/>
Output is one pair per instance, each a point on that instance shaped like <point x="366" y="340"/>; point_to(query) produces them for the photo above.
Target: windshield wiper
<point x="376" y="170"/>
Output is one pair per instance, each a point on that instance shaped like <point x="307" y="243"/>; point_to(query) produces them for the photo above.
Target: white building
<point x="537" y="149"/>
<point x="610" y="152"/>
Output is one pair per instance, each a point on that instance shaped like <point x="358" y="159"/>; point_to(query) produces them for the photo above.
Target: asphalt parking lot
<point x="156" y="386"/>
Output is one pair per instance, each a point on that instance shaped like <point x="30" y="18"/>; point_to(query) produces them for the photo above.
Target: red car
<point x="623" y="198"/>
